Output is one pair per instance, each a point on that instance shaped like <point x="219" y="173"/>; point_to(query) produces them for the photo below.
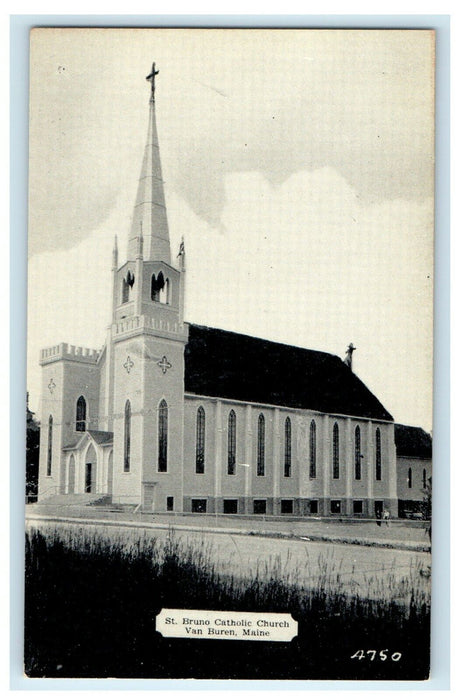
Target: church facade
<point x="173" y="416"/>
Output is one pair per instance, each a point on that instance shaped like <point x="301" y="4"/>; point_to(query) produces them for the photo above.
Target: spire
<point x="150" y="209"/>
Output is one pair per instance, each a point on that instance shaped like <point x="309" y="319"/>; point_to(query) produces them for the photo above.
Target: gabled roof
<point x="412" y="442"/>
<point x="100" y="437"/>
<point x="234" y="366"/>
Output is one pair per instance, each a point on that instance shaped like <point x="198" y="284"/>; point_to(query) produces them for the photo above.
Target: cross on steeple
<point x="151" y="78"/>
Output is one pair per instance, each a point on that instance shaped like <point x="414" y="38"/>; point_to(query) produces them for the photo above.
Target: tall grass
<point x="91" y="601"/>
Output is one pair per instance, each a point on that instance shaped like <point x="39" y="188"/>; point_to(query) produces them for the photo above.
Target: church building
<point x="172" y="416"/>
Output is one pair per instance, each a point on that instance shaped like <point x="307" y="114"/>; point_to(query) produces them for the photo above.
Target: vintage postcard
<point x="229" y="417"/>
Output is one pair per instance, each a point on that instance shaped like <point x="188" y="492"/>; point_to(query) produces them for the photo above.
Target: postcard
<point x="230" y="292"/>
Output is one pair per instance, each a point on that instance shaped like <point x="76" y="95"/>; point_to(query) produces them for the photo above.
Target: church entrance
<point x="90" y="471"/>
<point x="88" y="477"/>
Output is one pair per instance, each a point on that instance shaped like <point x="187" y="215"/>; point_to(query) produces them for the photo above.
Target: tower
<point x="148" y="337"/>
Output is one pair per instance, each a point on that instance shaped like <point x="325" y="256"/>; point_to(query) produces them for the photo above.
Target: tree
<point x="32" y="451"/>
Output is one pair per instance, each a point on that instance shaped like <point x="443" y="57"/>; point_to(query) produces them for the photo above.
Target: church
<point x="172" y="416"/>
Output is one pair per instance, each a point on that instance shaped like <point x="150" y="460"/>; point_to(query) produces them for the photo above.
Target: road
<point x="372" y="571"/>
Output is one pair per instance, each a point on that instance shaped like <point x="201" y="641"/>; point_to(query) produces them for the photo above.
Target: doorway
<point x="88" y="477"/>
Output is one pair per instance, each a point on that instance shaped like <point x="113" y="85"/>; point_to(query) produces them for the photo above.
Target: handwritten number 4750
<point x="373" y="654"/>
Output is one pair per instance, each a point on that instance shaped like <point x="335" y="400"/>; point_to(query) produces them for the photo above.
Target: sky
<point x="298" y="166"/>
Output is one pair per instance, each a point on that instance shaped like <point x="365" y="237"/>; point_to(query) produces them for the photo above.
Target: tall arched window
<point x="80" y="424"/>
<point x="261" y="446"/>
<point x="409" y="478"/>
<point x="200" y="435"/>
<point x="358" y="453"/>
<point x="424" y="478"/>
<point x="231" y="442"/>
<point x="156" y="286"/>
<point x="50" y="446"/>
<point x="313" y="450"/>
<point x="164" y="292"/>
<point x="127" y="284"/>
<point x="163" y="436"/>
<point x="378" y="455"/>
<point x="127" y="438"/>
<point x="335" y="452"/>
<point x="287" y="447"/>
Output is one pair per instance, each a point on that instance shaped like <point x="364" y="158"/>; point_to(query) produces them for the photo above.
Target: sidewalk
<point x="406" y="536"/>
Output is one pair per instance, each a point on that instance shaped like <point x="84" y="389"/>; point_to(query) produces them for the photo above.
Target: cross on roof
<point x="151" y="78"/>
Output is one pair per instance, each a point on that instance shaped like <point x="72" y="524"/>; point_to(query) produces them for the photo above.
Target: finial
<point x="115" y="254"/>
<point x="181" y="248"/>
<point x="349" y="355"/>
<point x="151" y="79"/>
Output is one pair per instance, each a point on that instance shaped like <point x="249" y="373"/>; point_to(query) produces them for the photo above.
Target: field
<point x="92" y="598"/>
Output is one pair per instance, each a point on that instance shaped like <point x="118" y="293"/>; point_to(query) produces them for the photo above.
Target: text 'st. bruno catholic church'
<point x="180" y="417"/>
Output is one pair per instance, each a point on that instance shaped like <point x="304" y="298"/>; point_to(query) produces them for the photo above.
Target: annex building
<point x="179" y="417"/>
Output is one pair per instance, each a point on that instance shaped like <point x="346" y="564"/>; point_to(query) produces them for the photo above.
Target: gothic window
<point x="200" y="435"/>
<point x="378" y="455"/>
<point x="231" y="442"/>
<point x="50" y="446"/>
<point x="357" y="453"/>
<point x="156" y="286"/>
<point x="409" y="478"/>
<point x="127" y="284"/>
<point x="313" y="450"/>
<point x="287" y="447"/>
<point x="335" y="452"/>
<point x="163" y="436"/>
<point x="80" y="424"/>
<point x="127" y="438"/>
<point x="164" y="292"/>
<point x="261" y="446"/>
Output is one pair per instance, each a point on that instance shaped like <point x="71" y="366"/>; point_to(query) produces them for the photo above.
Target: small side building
<point x="413" y="466"/>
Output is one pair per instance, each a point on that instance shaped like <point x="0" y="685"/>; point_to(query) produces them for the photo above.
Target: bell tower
<point x="149" y="336"/>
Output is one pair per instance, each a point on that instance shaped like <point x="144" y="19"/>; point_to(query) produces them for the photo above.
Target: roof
<point x="234" y="366"/>
<point x="101" y="437"/>
<point x="412" y="442"/>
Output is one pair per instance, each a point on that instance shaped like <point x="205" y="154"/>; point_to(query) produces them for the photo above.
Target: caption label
<point x="217" y="624"/>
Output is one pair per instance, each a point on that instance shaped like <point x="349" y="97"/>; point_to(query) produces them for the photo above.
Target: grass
<point x="91" y="601"/>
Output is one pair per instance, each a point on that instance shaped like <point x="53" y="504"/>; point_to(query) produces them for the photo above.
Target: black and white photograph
<point x="229" y="354"/>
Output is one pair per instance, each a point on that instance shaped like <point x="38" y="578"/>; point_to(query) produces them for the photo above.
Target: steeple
<point x="149" y="217"/>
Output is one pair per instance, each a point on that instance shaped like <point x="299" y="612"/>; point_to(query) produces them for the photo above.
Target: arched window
<point x="156" y="286"/>
<point x="127" y="438"/>
<point x="126" y="285"/>
<point x="80" y="424"/>
<point x="335" y="452"/>
<point x="50" y="446"/>
<point x="164" y="292"/>
<point x="378" y="455"/>
<point x="313" y="450"/>
<point x="357" y="453"/>
<point x="409" y="478"/>
<point x="287" y="447"/>
<point x="231" y="442"/>
<point x="163" y="436"/>
<point x="424" y="478"/>
<point x="200" y="435"/>
<point x="261" y="446"/>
